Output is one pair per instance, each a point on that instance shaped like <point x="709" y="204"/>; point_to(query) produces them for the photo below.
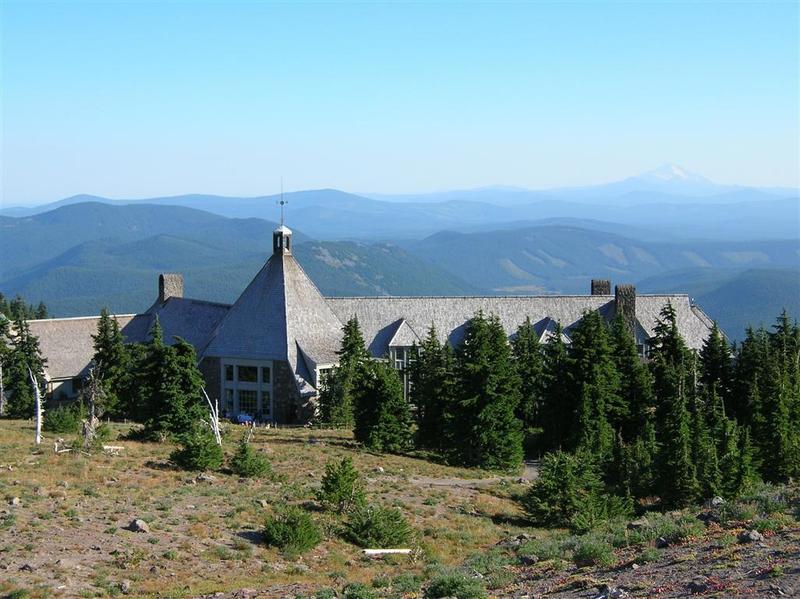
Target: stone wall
<point x="169" y="285"/>
<point x="286" y="399"/>
<point x="625" y="304"/>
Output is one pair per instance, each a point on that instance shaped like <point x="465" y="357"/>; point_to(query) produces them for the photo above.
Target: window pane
<point x="265" y="403"/>
<point x="228" y="405"/>
<point x="228" y="372"/>
<point x="248" y="374"/>
<point x="265" y="375"/>
<point x="248" y="401"/>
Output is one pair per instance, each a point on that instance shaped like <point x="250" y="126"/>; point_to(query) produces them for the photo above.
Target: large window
<point x="247" y="388"/>
<point x="401" y="358"/>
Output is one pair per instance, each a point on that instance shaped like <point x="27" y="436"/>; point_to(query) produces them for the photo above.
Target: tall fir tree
<point x="529" y="362"/>
<point x="432" y="388"/>
<point x="485" y="412"/>
<point x="336" y="399"/>
<point x="381" y="413"/>
<point x="111" y="360"/>
<point x="596" y="384"/>
<point x="558" y="396"/>
<point x="23" y="359"/>
<point x="716" y="365"/>
<point x="635" y="384"/>
<point x="171" y="388"/>
<point x="5" y="351"/>
<point x="672" y="383"/>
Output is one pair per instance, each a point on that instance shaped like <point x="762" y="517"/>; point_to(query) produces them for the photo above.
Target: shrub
<point x="292" y="531"/>
<point x="342" y="488"/>
<point x="648" y="555"/>
<point x="247" y="463"/>
<point x="63" y="419"/>
<point x="357" y="590"/>
<point x="406" y="583"/>
<point x="455" y="585"/>
<point x="377" y="527"/>
<point x="592" y="552"/>
<point x="543" y="549"/>
<point x="569" y="492"/>
<point x="492" y="566"/>
<point x="199" y="451"/>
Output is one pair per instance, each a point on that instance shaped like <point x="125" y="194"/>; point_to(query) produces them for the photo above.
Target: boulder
<point x="662" y="543"/>
<point x="750" y="536"/>
<point x="15" y="501"/>
<point x="698" y="585"/>
<point x="138" y="525"/>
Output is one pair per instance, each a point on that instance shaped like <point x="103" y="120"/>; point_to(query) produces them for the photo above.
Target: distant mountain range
<point x="735" y="250"/>
<point x="673" y="203"/>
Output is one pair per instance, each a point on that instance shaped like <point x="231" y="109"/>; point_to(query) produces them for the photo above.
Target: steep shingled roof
<point x="68" y="345"/>
<point x="281" y="315"/>
<point x="450" y="314"/>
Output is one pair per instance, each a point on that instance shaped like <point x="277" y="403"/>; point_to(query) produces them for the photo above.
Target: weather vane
<point x="282" y="202"/>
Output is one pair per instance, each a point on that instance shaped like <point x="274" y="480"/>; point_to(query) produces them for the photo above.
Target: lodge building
<point x="267" y="354"/>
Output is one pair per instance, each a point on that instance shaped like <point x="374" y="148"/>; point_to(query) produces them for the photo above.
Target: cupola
<point x="282" y="240"/>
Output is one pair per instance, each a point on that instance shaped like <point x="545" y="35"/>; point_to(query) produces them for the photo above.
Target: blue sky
<point x="140" y="99"/>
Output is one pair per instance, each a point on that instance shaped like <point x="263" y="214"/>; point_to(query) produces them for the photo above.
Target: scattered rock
<point x="609" y="592"/>
<point x="717" y="501"/>
<point x="190" y="507"/>
<point x="662" y="543"/>
<point x="125" y="586"/>
<point x="64" y="484"/>
<point x="95" y="548"/>
<point x="15" y="501"/>
<point x="205" y="478"/>
<point x="153" y="569"/>
<point x="138" y="525"/>
<point x="263" y="503"/>
<point x="379" y="469"/>
<point x="68" y="564"/>
<point x="27" y="568"/>
<point x="708" y="517"/>
<point x="638" y="523"/>
<point x="698" y="585"/>
<point x="514" y="541"/>
<point x="528" y="560"/>
<point x="750" y="536"/>
<point x="635" y="566"/>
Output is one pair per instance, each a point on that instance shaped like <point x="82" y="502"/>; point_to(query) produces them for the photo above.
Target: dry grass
<point x="205" y="536"/>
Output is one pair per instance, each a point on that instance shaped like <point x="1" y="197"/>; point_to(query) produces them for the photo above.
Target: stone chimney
<point x="625" y="304"/>
<point x="169" y="285"/>
<point x="601" y="287"/>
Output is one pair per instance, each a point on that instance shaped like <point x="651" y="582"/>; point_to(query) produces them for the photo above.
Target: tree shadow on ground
<point x="254" y="536"/>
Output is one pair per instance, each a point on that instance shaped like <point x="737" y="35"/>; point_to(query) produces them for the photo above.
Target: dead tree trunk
<point x="2" y="392"/>
<point x="37" y="394"/>
<point x="214" y="417"/>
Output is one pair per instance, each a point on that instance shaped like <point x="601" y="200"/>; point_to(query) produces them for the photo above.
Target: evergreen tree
<point x="558" y="398"/>
<point x="5" y="351"/>
<point x="716" y="364"/>
<point x="704" y="456"/>
<point x="672" y="373"/>
<point x="529" y="362"/>
<point x="431" y="374"/>
<point x="336" y="398"/>
<point x="111" y="360"/>
<point x="24" y="355"/>
<point x="382" y="415"/>
<point x="635" y="384"/>
<point x="484" y="414"/>
<point x="171" y="389"/>
<point x="595" y="381"/>
<point x="41" y="311"/>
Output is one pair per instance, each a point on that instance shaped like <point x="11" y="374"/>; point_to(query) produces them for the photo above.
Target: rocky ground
<point x="67" y="530"/>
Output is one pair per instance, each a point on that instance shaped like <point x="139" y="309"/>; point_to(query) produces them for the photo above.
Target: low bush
<point x="65" y="420"/>
<point x="198" y="451"/>
<point x="292" y="530"/>
<point x="593" y="552"/>
<point x="492" y="565"/>
<point x="377" y="527"/>
<point x="342" y="488"/>
<point x="247" y="463"/>
<point x="357" y="590"/>
<point x="570" y="493"/>
<point x="542" y="549"/>
<point x="455" y="585"/>
<point x="648" y="555"/>
<point x="406" y="583"/>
